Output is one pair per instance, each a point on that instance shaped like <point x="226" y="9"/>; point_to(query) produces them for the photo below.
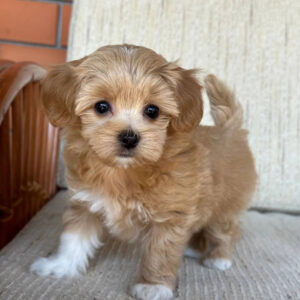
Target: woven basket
<point x="28" y="148"/>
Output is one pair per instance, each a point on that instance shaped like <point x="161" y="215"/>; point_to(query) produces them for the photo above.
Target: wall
<point x="253" y="45"/>
<point x="34" y="31"/>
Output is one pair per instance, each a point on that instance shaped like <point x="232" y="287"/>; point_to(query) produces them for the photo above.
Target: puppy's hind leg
<point x="197" y="245"/>
<point x="78" y="242"/>
<point x="221" y="239"/>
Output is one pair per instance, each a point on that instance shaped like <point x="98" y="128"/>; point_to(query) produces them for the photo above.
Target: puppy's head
<point x="126" y="100"/>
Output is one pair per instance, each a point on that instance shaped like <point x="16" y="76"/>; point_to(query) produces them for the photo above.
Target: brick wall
<point x="35" y="30"/>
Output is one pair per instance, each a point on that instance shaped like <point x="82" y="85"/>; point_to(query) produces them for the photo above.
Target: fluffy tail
<point x="225" y="110"/>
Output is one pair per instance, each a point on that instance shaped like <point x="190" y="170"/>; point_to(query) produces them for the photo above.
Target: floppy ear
<point x="187" y="91"/>
<point x="58" y="92"/>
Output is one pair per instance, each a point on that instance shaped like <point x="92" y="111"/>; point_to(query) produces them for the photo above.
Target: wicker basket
<point x="28" y="148"/>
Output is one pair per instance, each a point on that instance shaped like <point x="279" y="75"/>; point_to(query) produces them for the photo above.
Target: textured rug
<point x="266" y="264"/>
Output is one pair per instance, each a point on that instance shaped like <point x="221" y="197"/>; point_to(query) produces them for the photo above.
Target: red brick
<point x="28" y="21"/>
<point x="43" y="56"/>
<point x="66" y="16"/>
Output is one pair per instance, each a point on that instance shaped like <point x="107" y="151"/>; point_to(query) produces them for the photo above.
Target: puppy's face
<point x="124" y="110"/>
<point x="126" y="100"/>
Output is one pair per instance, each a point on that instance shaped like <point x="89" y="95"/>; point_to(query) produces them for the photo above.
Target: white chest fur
<point x="124" y="218"/>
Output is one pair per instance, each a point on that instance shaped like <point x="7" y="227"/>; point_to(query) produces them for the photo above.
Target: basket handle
<point x="13" y="78"/>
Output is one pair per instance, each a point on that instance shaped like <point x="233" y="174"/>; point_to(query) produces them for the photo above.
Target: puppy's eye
<point x="102" y="107"/>
<point x="151" y="111"/>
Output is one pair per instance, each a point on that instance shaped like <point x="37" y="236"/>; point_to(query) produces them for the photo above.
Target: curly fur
<point x="184" y="184"/>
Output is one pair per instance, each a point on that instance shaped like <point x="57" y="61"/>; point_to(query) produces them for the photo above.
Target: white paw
<point x="56" y="267"/>
<point x="217" y="263"/>
<point x="71" y="258"/>
<point x="192" y="253"/>
<point x="144" y="291"/>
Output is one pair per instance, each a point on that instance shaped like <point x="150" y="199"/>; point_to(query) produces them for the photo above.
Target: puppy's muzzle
<point x="128" y="139"/>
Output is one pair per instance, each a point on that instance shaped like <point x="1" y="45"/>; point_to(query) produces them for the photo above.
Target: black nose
<point x="128" y="139"/>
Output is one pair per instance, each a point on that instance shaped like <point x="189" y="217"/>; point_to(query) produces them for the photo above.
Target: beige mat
<point x="266" y="264"/>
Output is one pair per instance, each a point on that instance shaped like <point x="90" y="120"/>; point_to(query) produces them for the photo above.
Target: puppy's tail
<point x="225" y="110"/>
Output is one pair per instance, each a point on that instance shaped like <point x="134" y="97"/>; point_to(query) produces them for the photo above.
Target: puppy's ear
<point x="187" y="91"/>
<point x="58" y="93"/>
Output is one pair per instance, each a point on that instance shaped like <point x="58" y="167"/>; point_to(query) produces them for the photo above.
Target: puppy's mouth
<point x="125" y="159"/>
<point x="126" y="153"/>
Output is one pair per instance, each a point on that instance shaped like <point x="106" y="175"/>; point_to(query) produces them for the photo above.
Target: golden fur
<point x="185" y="183"/>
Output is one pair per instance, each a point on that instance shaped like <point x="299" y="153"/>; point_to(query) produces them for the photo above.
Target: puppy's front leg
<point x="78" y="242"/>
<point x="162" y="251"/>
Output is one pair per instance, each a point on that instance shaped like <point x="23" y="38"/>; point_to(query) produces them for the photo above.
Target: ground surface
<point x="266" y="264"/>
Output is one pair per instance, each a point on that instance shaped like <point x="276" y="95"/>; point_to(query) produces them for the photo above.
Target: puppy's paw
<point x="143" y="291"/>
<point x="55" y="266"/>
<point x="217" y="263"/>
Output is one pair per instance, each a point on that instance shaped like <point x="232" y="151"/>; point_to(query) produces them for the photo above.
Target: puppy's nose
<point x="128" y="139"/>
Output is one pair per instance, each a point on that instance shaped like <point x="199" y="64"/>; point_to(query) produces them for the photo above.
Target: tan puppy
<point x="141" y="168"/>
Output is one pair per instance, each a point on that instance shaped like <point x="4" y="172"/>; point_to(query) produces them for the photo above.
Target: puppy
<point x="140" y="168"/>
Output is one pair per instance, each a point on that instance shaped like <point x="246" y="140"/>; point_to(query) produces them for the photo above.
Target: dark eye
<point x="102" y="107"/>
<point x="152" y="111"/>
